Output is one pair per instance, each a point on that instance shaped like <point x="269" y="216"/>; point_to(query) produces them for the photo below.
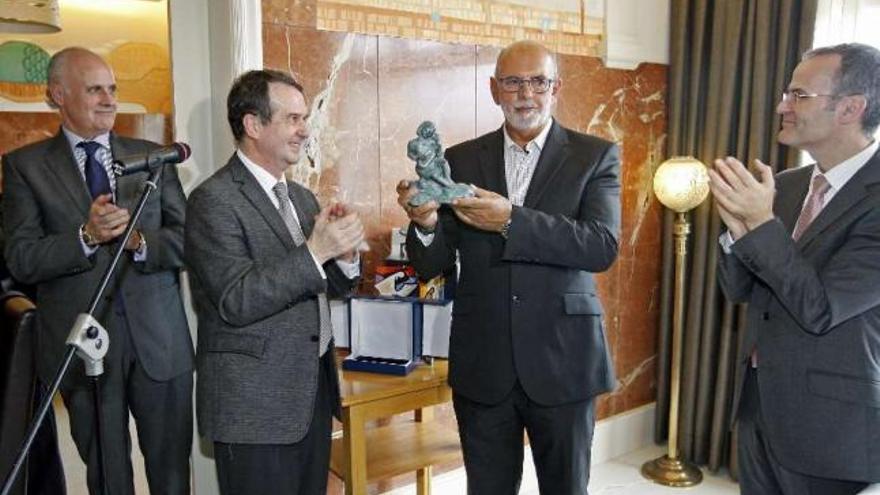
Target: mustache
<point x="523" y="105"/>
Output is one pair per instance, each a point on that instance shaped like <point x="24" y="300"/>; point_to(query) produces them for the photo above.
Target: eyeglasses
<point x="798" y="95"/>
<point x="538" y="84"/>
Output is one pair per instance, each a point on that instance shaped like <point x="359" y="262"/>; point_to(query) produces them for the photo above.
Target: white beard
<point x="533" y="120"/>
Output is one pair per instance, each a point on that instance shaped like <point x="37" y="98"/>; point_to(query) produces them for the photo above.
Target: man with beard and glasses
<point x="527" y="349"/>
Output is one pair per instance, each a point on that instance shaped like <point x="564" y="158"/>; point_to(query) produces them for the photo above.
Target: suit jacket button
<point x="313" y="338"/>
<point x="515" y="299"/>
<point x="765" y="316"/>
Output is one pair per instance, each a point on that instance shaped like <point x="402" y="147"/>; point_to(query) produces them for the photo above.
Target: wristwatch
<point x="505" y="229"/>
<point x="142" y="242"/>
<point x="87" y="238"/>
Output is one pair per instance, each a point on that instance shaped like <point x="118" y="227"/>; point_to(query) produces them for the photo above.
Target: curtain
<point x="729" y="62"/>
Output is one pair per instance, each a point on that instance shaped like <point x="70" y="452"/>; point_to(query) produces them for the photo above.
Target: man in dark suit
<point x="803" y="249"/>
<point x="264" y="257"/>
<point x="527" y="346"/>
<point x="63" y="213"/>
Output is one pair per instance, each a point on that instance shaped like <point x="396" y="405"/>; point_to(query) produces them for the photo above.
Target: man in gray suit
<point x="64" y="211"/>
<point x="803" y="249"/>
<point x="264" y="257"/>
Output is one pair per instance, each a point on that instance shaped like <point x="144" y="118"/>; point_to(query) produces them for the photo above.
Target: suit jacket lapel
<point x="254" y="194"/>
<point x="127" y="187"/>
<point x="63" y="164"/>
<point x="492" y="163"/>
<point x="851" y="194"/>
<point x="553" y="157"/>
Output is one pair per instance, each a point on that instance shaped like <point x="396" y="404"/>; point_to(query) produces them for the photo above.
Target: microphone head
<point x="183" y="150"/>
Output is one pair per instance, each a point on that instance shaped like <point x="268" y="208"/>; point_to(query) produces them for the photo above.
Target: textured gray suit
<point x="45" y="201"/>
<point x="256" y="297"/>
<point x="814" y="319"/>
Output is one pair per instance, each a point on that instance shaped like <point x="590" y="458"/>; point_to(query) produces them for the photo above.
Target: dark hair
<point x="250" y="95"/>
<point x="859" y="74"/>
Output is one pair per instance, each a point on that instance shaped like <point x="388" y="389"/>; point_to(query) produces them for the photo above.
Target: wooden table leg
<point x="356" y="451"/>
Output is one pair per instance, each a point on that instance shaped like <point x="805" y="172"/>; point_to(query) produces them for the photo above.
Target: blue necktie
<point x="96" y="175"/>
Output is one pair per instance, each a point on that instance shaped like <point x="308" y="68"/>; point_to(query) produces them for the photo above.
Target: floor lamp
<point x="680" y="183"/>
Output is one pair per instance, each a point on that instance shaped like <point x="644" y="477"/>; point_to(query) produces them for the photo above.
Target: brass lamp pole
<point x="680" y="183"/>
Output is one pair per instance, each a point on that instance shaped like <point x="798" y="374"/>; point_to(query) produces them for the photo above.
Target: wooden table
<point x="363" y="455"/>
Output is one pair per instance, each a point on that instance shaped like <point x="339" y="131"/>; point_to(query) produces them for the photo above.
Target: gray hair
<point x="859" y="74"/>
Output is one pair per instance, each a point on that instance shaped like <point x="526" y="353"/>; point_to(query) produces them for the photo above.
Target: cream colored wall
<point x="103" y="26"/>
<point x="98" y="24"/>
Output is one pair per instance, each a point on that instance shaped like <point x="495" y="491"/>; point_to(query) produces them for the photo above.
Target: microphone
<point x="173" y="153"/>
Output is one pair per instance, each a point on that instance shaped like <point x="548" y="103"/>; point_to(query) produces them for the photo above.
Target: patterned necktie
<point x="285" y="208"/>
<point x="812" y="207"/>
<point x="96" y="175"/>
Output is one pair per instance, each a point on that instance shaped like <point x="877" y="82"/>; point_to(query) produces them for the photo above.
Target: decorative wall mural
<point x="23" y="71"/>
<point x="142" y="74"/>
<point x="566" y="26"/>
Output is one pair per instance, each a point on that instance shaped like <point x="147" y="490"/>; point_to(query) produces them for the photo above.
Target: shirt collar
<point x="840" y="174"/>
<point x="74" y="139"/>
<point x="266" y="180"/>
<point x="539" y="141"/>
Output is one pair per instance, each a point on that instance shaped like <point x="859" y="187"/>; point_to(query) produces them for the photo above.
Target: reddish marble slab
<point x="384" y="87"/>
<point x="419" y="81"/>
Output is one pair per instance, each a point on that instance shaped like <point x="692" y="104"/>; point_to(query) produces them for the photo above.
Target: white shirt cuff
<point x="726" y="241"/>
<point x="350" y="269"/>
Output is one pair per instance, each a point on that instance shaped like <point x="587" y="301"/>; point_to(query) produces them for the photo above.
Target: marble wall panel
<point x="384" y="87"/>
<point x="368" y="94"/>
<point x="489" y="115"/>
<point x="419" y="81"/>
<point x="340" y="78"/>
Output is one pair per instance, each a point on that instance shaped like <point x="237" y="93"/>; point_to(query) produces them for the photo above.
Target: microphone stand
<point x="89" y="341"/>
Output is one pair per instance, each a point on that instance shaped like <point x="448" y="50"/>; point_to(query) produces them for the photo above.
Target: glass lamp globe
<point x="681" y="183"/>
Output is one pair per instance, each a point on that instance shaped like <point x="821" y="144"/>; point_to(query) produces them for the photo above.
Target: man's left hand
<point x="486" y="210"/>
<point x="741" y="194"/>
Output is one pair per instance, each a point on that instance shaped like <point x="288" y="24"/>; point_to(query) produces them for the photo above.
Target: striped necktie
<point x="813" y="206"/>
<point x="285" y="208"/>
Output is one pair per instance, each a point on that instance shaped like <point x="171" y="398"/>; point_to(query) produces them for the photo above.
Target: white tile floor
<point x="620" y="476"/>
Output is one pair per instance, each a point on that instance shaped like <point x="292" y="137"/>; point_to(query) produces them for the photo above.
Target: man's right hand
<point x="334" y="236"/>
<point x="106" y="220"/>
<point x="425" y="216"/>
